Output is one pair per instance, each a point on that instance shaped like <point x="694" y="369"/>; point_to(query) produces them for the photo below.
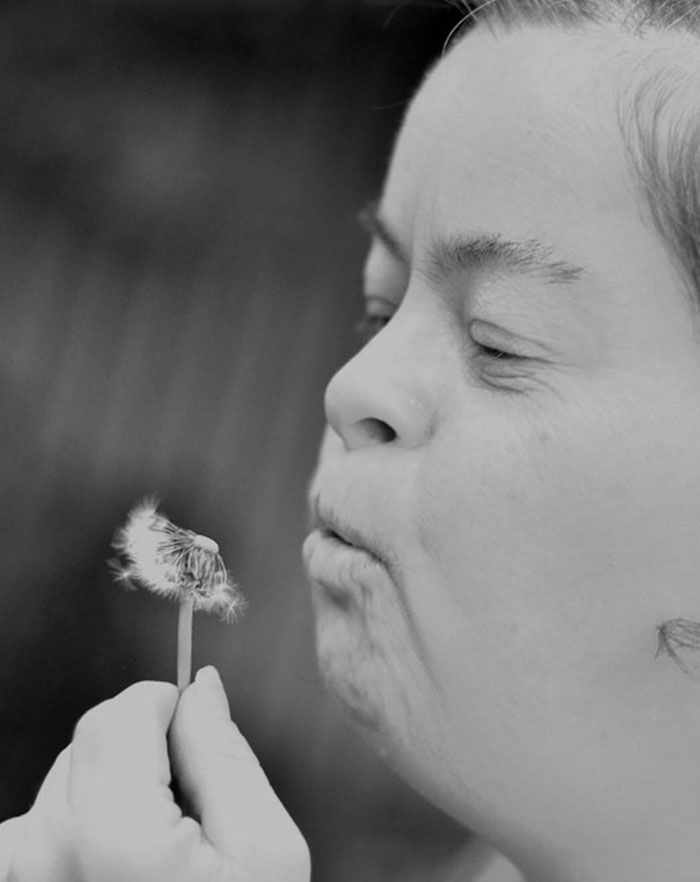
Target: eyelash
<point x="370" y="325"/>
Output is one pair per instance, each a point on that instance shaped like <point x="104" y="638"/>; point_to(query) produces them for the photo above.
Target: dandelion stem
<point x="179" y="564"/>
<point x="184" y="642"/>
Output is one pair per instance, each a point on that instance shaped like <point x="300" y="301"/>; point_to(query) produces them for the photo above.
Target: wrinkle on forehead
<point x="546" y="130"/>
<point x="529" y="143"/>
<point x="579" y="193"/>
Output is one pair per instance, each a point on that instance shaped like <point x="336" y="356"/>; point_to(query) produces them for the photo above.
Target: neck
<point x="655" y="854"/>
<point x="626" y="811"/>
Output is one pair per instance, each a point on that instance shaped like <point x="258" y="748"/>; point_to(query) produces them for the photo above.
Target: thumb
<point x="220" y="778"/>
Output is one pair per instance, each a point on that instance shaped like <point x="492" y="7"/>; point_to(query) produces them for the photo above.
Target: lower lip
<point x="342" y="570"/>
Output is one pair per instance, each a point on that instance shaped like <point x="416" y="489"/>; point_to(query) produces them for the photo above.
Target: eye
<point x="490" y="352"/>
<point x="492" y="343"/>
<point x="377" y="315"/>
<point x="369" y="326"/>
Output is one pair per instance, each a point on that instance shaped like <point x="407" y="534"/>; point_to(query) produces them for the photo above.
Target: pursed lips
<point x="332" y="525"/>
<point x="349" y="563"/>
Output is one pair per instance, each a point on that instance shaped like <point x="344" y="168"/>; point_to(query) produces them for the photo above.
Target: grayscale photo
<point x="350" y="449"/>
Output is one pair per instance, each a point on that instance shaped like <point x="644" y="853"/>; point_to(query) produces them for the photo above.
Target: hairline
<point x="659" y="140"/>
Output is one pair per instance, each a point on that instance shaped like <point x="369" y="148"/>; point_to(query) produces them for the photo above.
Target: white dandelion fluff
<point x="178" y="564"/>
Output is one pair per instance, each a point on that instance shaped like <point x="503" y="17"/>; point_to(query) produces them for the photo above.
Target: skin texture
<point x="106" y="811"/>
<point x="540" y="513"/>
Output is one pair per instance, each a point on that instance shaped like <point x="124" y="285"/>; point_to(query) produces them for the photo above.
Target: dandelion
<point x="177" y="564"/>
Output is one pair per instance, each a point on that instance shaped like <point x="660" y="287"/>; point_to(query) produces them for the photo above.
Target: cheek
<point x="558" y="546"/>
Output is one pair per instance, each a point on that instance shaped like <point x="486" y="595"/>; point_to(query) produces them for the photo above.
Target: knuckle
<point x="92" y="725"/>
<point x="136" y="703"/>
<point x="149" y="690"/>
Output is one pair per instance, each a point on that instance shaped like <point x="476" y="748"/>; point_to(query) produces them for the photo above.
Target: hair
<point x="634" y="14"/>
<point x="658" y="111"/>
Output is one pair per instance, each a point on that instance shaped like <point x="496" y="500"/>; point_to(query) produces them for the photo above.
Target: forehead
<point x="513" y="132"/>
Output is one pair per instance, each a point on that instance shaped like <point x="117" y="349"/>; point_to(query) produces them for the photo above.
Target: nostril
<point x="376" y="431"/>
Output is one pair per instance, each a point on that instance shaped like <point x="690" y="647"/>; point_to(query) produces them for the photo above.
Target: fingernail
<point x="211" y="693"/>
<point x="208" y="676"/>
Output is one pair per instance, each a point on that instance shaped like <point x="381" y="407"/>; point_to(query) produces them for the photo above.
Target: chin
<point x="346" y="666"/>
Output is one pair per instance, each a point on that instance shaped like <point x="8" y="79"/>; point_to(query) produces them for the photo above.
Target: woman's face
<point x="521" y="447"/>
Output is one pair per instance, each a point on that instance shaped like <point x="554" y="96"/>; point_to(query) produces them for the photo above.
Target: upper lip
<point x="331" y="522"/>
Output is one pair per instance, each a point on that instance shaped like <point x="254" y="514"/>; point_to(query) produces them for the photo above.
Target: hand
<point x="106" y="812"/>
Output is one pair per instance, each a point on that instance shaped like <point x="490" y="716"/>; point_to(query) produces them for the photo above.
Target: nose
<point x="386" y="394"/>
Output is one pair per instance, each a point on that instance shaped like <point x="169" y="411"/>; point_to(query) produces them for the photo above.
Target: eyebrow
<point x="479" y="251"/>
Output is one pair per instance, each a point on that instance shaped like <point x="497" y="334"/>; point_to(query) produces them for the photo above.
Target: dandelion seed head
<point x="206" y="543"/>
<point x="174" y="562"/>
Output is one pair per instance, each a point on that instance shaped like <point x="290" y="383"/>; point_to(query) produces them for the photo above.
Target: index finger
<point x="119" y="756"/>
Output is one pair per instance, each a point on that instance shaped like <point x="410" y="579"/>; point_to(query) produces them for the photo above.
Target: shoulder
<point x="479" y="862"/>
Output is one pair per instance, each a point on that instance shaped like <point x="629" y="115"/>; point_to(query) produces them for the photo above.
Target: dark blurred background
<point x="180" y="267"/>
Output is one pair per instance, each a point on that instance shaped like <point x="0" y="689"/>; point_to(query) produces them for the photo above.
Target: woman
<point x="507" y="501"/>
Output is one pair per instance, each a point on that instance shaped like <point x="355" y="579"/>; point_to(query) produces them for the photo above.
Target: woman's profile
<point x="504" y="551"/>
